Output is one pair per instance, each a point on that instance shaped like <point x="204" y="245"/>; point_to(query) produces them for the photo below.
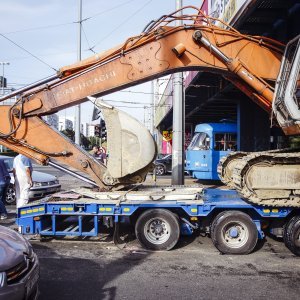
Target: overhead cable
<point x="40" y="60"/>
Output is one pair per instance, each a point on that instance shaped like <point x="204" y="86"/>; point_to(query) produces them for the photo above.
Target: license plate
<point x="32" y="280"/>
<point x="51" y="190"/>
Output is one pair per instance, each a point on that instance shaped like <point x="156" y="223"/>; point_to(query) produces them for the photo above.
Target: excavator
<point x="264" y="69"/>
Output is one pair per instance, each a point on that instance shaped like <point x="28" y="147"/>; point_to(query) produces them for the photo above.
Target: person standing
<point x="22" y="170"/>
<point x="4" y="182"/>
<point x="94" y="151"/>
<point x="102" y="155"/>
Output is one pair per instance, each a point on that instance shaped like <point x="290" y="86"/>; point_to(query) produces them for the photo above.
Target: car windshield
<point x="9" y="163"/>
<point x="200" y="141"/>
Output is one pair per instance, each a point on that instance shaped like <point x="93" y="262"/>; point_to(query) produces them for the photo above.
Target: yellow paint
<point x="41" y="209"/>
<point x="23" y="212"/>
<point x="194" y="218"/>
<point x="35" y="210"/>
<point x="108" y="209"/>
<point x="193" y="210"/>
<point x="102" y="209"/>
<point x="126" y="209"/>
<point x="275" y="210"/>
<point x="70" y="208"/>
<point x="266" y="211"/>
<point x="29" y="211"/>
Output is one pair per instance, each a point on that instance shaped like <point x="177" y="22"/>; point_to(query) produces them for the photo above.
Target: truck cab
<point x="211" y="141"/>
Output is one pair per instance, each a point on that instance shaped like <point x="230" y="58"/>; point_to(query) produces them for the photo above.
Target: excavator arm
<point x="252" y="63"/>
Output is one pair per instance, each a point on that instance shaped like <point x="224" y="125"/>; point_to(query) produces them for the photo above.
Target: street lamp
<point x="3" y="63"/>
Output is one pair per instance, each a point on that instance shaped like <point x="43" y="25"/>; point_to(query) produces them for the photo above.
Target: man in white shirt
<point x="22" y="170"/>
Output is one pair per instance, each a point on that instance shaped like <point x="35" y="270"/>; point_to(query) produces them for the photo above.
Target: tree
<point x="85" y="142"/>
<point x="69" y="133"/>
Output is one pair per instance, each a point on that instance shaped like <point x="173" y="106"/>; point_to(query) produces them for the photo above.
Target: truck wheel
<point x="157" y="229"/>
<point x="234" y="232"/>
<point x="291" y="235"/>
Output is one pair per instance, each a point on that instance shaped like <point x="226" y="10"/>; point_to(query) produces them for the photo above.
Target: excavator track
<point x="228" y="163"/>
<point x="270" y="178"/>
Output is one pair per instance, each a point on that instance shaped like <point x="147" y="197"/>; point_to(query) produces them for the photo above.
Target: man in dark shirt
<point x="4" y="182"/>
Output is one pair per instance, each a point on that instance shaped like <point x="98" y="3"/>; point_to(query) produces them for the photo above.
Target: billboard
<point x="226" y="10"/>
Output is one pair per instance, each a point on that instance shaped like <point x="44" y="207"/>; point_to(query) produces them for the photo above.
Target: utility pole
<point x="152" y="108"/>
<point x="77" y="107"/>
<point x="3" y="63"/>
<point x="178" y="122"/>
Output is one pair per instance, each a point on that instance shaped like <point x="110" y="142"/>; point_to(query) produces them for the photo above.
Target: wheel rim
<point x="235" y="234"/>
<point x="10" y="195"/>
<point x="157" y="231"/>
<point x="159" y="170"/>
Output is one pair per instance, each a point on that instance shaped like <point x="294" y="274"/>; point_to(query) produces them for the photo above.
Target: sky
<point x="49" y="31"/>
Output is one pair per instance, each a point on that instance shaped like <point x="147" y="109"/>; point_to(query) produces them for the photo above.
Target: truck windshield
<point x="200" y="141"/>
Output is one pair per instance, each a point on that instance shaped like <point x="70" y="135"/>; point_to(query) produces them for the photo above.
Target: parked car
<point x="163" y="165"/>
<point x="19" y="267"/>
<point x="43" y="183"/>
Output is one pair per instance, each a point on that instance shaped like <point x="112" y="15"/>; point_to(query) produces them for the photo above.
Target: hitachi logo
<point x="86" y="84"/>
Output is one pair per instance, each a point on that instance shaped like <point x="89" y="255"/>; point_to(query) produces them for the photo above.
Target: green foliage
<point x="93" y="141"/>
<point x="295" y="142"/>
<point x="69" y="134"/>
<point x="85" y="141"/>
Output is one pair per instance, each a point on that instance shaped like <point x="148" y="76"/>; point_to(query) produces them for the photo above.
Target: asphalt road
<point x="194" y="270"/>
<point x="97" y="269"/>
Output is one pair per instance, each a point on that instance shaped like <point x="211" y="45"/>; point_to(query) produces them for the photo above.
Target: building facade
<point x="65" y="123"/>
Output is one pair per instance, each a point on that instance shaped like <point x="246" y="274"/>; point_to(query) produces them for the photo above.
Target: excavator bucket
<point x="131" y="147"/>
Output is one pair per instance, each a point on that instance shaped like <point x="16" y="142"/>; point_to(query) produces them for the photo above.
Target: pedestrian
<point x="22" y="170"/>
<point x="102" y="155"/>
<point x="94" y="151"/>
<point x="4" y="182"/>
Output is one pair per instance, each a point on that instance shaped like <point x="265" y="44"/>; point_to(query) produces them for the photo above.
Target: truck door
<point x="223" y="144"/>
<point x="198" y="154"/>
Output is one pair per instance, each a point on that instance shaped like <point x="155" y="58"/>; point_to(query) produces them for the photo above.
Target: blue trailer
<point x="160" y="215"/>
<point x="211" y="142"/>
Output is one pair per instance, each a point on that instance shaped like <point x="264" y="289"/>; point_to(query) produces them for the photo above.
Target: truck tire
<point x="234" y="232"/>
<point x="157" y="229"/>
<point x="291" y="235"/>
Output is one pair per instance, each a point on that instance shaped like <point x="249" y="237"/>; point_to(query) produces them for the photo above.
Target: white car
<point x="43" y="183"/>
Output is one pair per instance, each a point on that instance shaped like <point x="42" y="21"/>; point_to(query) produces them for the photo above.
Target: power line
<point x="86" y="39"/>
<point x="136" y="103"/>
<point x="39" y="28"/>
<point x="126" y="20"/>
<point x="68" y="23"/>
<point x="146" y="93"/>
<point x="109" y="9"/>
<point x="40" y="60"/>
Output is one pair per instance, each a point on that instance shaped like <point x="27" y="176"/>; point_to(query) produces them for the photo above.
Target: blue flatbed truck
<point x="160" y="215"/>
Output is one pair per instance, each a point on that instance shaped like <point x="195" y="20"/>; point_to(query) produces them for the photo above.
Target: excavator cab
<point x="286" y="102"/>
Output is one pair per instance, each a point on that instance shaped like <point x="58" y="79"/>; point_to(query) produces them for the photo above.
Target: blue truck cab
<point x="211" y="141"/>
